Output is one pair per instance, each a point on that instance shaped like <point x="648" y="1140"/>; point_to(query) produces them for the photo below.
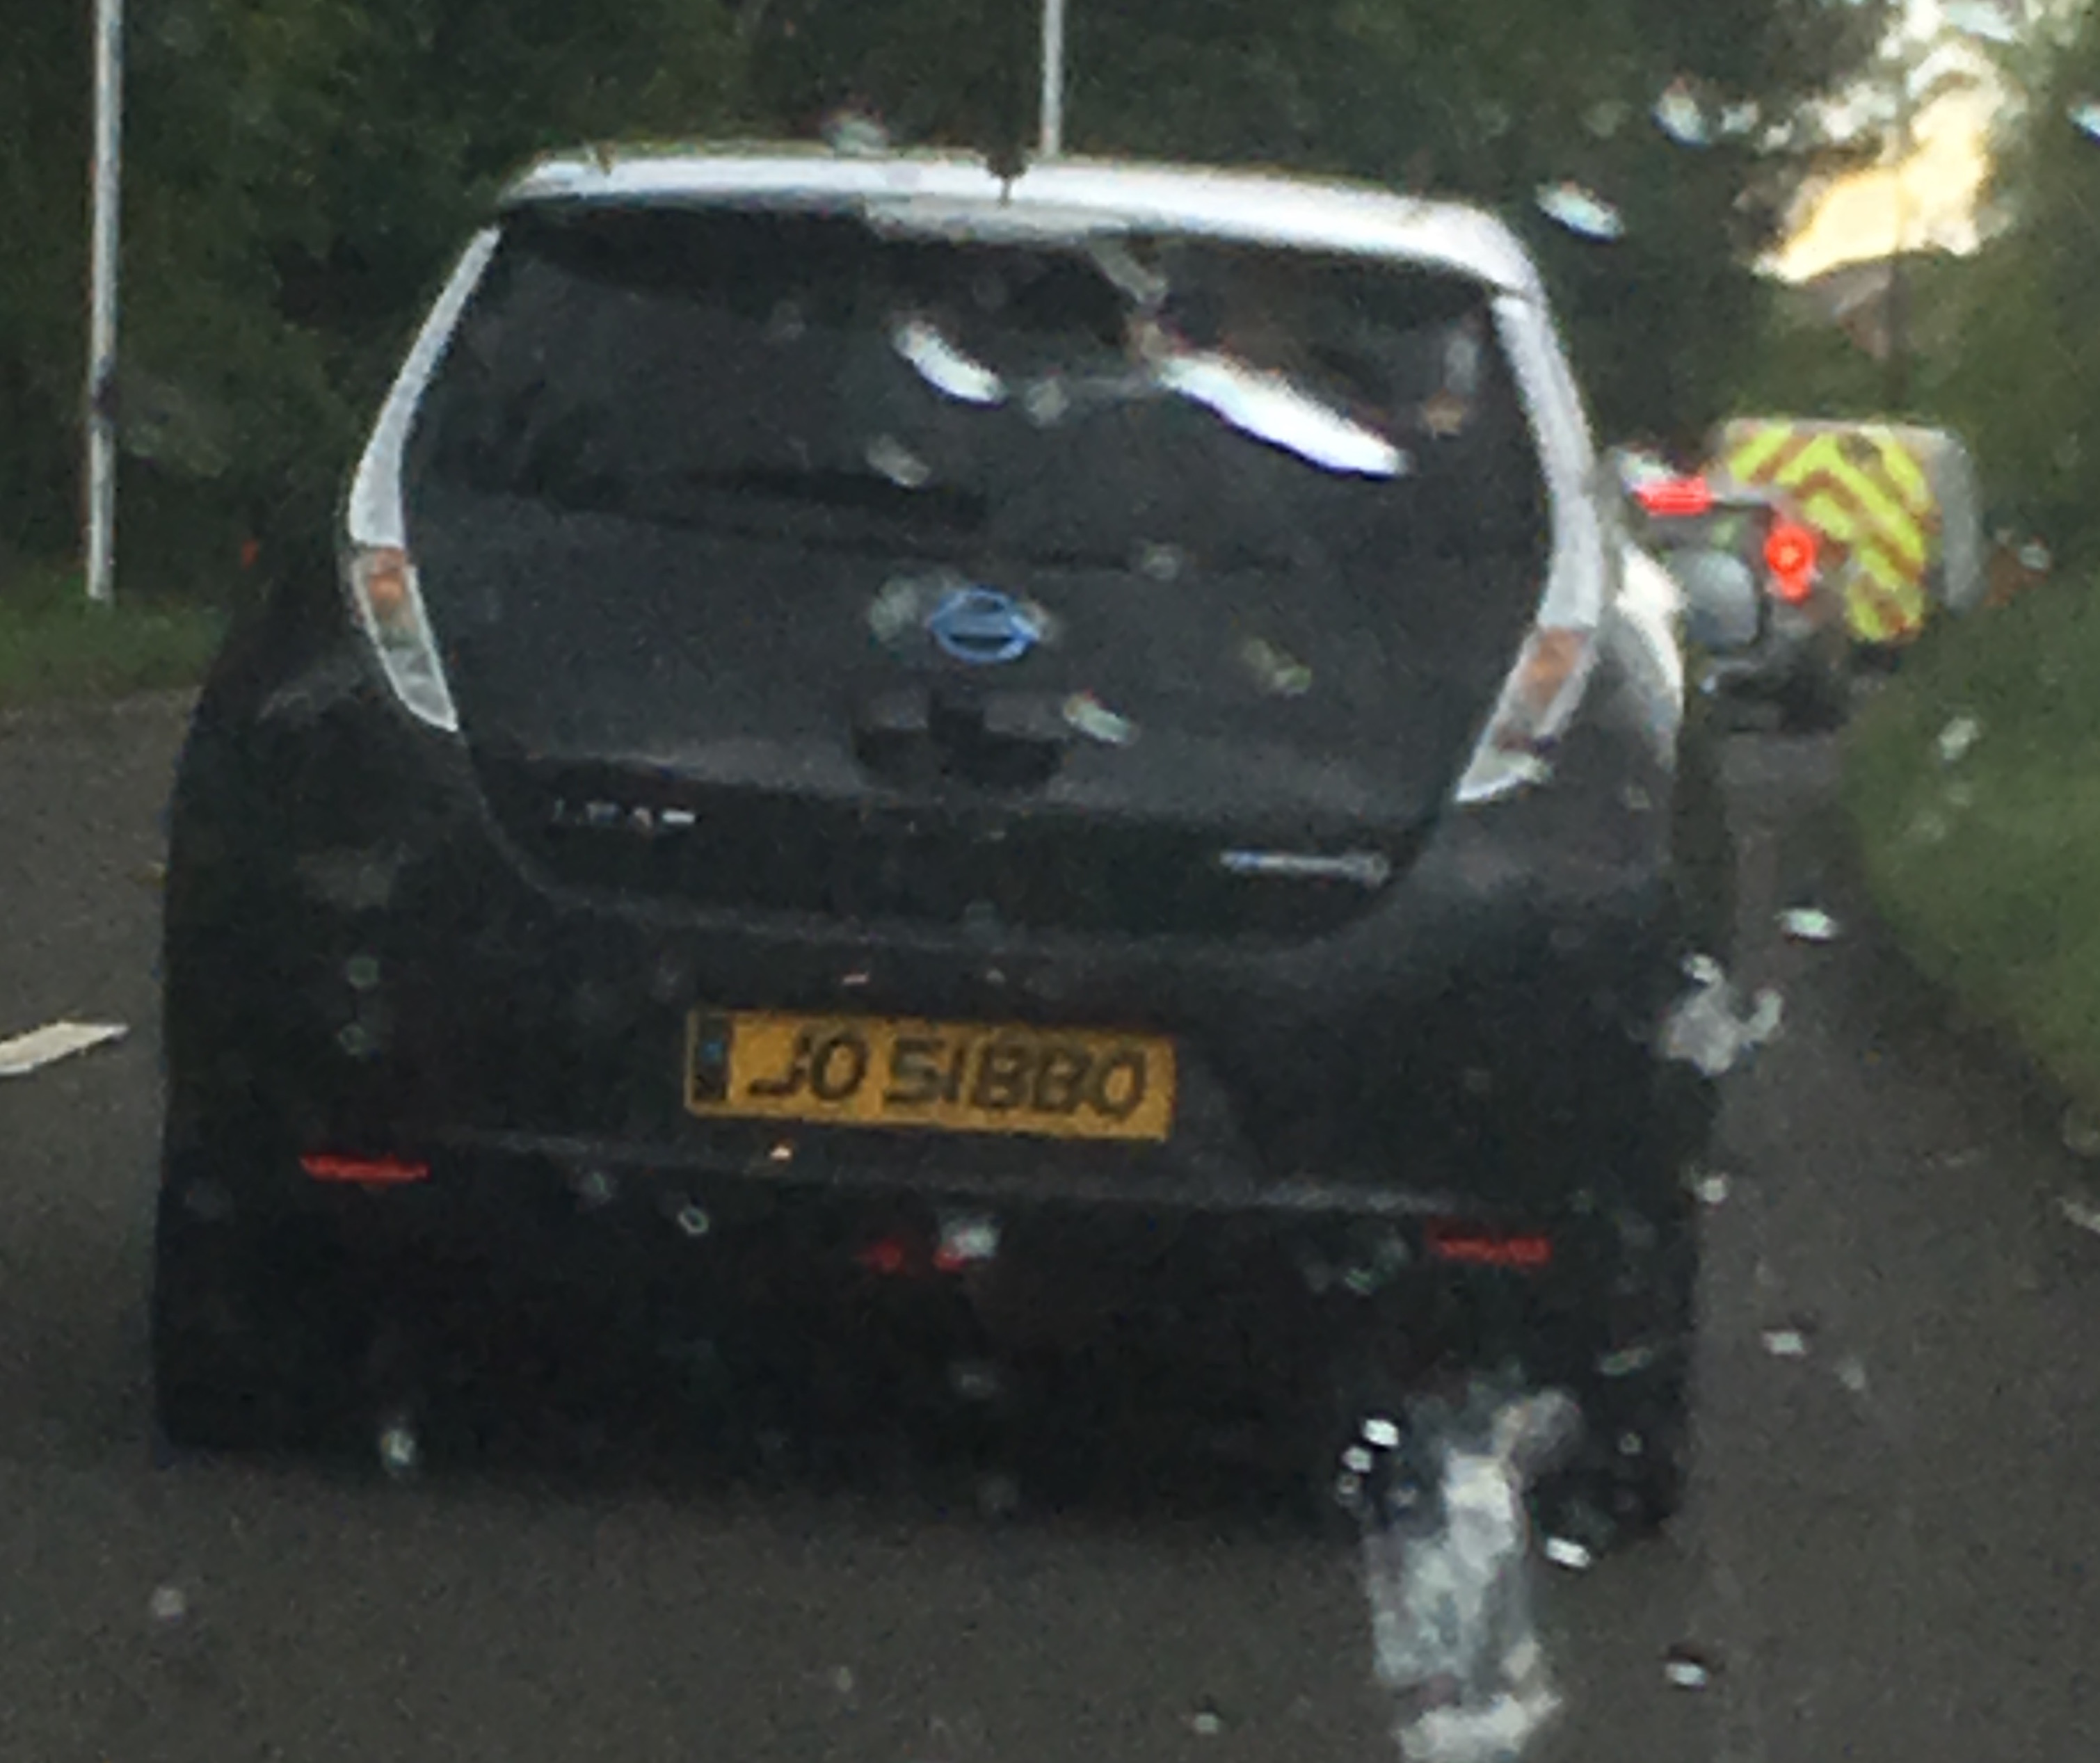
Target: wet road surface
<point x="1892" y="1550"/>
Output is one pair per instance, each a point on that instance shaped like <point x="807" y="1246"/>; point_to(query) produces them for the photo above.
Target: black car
<point x="1067" y="752"/>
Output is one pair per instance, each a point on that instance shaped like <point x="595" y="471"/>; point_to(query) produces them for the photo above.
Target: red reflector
<point x="368" y="1171"/>
<point x="1676" y="496"/>
<point x="1790" y="555"/>
<point x="1469" y="1246"/>
<point x="886" y="1255"/>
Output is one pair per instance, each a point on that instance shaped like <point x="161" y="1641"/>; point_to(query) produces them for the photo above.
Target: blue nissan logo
<point x="983" y="627"/>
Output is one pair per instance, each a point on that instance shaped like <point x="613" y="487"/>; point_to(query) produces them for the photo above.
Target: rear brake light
<point x="1471" y="1246"/>
<point x="1790" y="555"/>
<point x="380" y="579"/>
<point x="364" y="1171"/>
<point x="887" y="1256"/>
<point x="1540" y="697"/>
<point x="1674" y="497"/>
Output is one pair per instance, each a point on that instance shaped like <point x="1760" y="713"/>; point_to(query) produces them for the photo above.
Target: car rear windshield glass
<point x="829" y="377"/>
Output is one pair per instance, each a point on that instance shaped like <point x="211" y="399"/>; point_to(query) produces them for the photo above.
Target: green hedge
<point x="1985" y="864"/>
<point x="54" y="646"/>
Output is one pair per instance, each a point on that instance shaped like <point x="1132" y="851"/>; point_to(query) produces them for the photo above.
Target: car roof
<point x="1244" y="207"/>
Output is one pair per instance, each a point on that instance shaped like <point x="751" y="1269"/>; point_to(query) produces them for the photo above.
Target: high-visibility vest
<point x="1864" y="488"/>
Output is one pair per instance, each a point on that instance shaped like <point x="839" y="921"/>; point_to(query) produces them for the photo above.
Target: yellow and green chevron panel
<point x="1863" y="489"/>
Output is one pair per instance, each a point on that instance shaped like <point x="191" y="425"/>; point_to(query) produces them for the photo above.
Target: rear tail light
<point x="364" y="1171"/>
<point x="1461" y="1245"/>
<point x="1790" y="555"/>
<point x="381" y="581"/>
<point x="1543" y="692"/>
<point x="888" y="1257"/>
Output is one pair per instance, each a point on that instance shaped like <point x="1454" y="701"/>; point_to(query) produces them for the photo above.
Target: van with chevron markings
<point x="1899" y="505"/>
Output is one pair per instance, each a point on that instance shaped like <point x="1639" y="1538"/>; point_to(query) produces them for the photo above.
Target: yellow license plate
<point x="943" y="1077"/>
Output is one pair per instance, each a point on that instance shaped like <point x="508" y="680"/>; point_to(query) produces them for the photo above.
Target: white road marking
<point x="54" y="1041"/>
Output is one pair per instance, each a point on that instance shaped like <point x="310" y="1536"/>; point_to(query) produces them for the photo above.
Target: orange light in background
<point x="1790" y="555"/>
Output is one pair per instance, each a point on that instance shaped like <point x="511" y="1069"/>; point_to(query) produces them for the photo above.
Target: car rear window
<point x="816" y="374"/>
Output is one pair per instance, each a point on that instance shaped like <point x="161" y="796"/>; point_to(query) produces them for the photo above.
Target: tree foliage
<point x="300" y="172"/>
<point x="2027" y="382"/>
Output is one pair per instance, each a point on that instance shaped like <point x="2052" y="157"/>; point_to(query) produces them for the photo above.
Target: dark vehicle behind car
<point x="1764" y="604"/>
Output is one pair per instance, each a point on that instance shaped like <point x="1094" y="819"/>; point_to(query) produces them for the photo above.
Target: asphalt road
<point x="1891" y="1551"/>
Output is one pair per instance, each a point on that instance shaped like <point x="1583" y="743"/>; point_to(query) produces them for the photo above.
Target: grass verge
<point x="1983" y="854"/>
<point x="56" y="646"/>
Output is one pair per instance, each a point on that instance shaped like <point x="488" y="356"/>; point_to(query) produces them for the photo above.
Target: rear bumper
<point x="358" y="959"/>
<point x="1238" y="1292"/>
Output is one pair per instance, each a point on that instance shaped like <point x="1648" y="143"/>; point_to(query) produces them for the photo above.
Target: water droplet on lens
<point x="1689" y="1667"/>
<point x="1982" y="20"/>
<point x="1605" y="120"/>
<point x="1581" y="211"/>
<point x="975" y="1380"/>
<point x="2079" y="1214"/>
<point x="1091" y="717"/>
<point x="2081" y="1133"/>
<point x="1046" y="403"/>
<point x="1955" y="740"/>
<point x="1678" y="114"/>
<point x="1808" y="924"/>
<point x="400" y="1447"/>
<point x="897" y="462"/>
